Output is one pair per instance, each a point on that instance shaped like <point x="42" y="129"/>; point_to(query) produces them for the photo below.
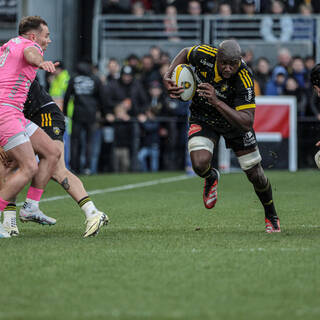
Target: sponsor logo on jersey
<point x="249" y="94"/>
<point x="206" y="63"/>
<point x="219" y="94"/>
<point x="194" y="128"/>
<point x="249" y="139"/>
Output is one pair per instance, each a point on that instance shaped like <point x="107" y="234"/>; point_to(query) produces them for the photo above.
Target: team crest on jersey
<point x="224" y="87"/>
<point x="194" y="128"/>
<point x="56" y="131"/>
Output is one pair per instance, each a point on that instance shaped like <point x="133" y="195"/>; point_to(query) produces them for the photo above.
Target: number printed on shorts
<point x="4" y="56"/>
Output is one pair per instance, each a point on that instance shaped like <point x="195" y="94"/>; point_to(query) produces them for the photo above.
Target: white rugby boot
<point x="10" y="223"/>
<point x="94" y="223"/>
<point x="31" y="213"/>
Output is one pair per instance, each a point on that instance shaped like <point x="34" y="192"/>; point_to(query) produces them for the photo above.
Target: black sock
<point x="210" y="175"/>
<point x="265" y="197"/>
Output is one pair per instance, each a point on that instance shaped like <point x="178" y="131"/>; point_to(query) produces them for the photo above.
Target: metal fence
<point x="120" y="35"/>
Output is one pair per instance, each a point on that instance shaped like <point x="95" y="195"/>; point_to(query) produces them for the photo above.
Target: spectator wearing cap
<point x="126" y="87"/>
<point x="134" y="62"/>
<point x="248" y="7"/>
<point x="87" y="91"/>
<point x="275" y="86"/>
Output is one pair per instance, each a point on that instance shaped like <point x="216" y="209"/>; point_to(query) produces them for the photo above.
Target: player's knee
<point x="200" y="162"/>
<point x="201" y="149"/>
<point x="54" y="155"/>
<point x="249" y="160"/>
<point x="30" y="168"/>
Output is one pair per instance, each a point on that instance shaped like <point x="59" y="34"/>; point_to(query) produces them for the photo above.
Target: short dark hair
<point x="315" y="75"/>
<point x="30" y="23"/>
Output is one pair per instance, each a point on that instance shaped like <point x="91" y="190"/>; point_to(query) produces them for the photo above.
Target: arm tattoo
<point x="65" y="184"/>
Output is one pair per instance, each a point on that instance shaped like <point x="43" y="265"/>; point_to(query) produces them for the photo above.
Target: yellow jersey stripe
<point x="42" y="120"/>
<point x="46" y="119"/>
<point x="50" y="120"/>
<point x="188" y="55"/>
<point x="209" y="48"/>
<point x="207" y="52"/>
<point x="245" y="106"/>
<point x="247" y="76"/>
<point x="243" y="80"/>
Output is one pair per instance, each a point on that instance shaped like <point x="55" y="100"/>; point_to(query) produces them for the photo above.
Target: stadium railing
<point x="120" y="35"/>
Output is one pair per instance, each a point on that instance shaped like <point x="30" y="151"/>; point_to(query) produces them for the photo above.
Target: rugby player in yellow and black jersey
<point x="224" y="104"/>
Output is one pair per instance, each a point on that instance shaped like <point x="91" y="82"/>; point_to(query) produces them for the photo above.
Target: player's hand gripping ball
<point x="183" y="77"/>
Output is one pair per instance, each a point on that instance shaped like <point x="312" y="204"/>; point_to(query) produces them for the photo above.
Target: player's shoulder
<point x="244" y="76"/>
<point x="204" y="51"/>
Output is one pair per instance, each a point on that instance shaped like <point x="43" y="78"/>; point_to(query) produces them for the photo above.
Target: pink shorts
<point x="12" y="127"/>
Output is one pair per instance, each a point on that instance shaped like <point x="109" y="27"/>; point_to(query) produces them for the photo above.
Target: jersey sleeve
<point x="199" y="53"/>
<point x="35" y="45"/>
<point x="245" y="97"/>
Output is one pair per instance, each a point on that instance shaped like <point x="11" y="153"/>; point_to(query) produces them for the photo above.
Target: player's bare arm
<point x="242" y="119"/>
<point x="173" y="89"/>
<point x="34" y="58"/>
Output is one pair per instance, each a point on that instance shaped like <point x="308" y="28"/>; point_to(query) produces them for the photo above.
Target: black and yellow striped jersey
<point x="237" y="92"/>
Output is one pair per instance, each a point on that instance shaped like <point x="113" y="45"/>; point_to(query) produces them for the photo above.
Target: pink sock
<point x="34" y="194"/>
<point x="3" y="204"/>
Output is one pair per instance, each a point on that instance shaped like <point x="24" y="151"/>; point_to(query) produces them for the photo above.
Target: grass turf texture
<point x="151" y="263"/>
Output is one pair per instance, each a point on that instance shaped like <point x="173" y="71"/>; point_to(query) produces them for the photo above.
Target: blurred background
<point x="128" y="45"/>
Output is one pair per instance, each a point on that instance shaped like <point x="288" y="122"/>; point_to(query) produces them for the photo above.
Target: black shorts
<point x="235" y="140"/>
<point x="51" y="119"/>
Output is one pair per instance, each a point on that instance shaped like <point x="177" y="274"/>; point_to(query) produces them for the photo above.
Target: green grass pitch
<point x="164" y="256"/>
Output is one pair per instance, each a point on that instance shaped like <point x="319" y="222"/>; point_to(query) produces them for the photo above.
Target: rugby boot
<point x="94" y="223"/>
<point x="272" y="224"/>
<point x="31" y="213"/>
<point x="3" y="232"/>
<point x="210" y="194"/>
<point x="10" y="224"/>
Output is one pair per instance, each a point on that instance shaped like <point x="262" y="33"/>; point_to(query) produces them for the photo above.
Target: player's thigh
<point x="201" y="137"/>
<point x="24" y="156"/>
<point x="201" y="143"/>
<point x="43" y="145"/>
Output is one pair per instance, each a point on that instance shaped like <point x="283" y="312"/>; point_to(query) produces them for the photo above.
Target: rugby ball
<point x="317" y="159"/>
<point x="183" y="77"/>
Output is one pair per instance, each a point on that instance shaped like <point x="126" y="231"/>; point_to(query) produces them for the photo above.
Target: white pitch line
<point x="121" y="188"/>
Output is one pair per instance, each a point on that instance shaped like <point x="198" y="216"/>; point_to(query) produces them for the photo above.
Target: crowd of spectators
<point x="136" y="126"/>
<point x="197" y="7"/>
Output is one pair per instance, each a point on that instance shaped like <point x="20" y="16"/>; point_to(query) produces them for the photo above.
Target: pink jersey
<point x="16" y="75"/>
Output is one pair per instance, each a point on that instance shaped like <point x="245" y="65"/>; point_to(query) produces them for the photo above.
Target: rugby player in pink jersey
<point x="20" y="58"/>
